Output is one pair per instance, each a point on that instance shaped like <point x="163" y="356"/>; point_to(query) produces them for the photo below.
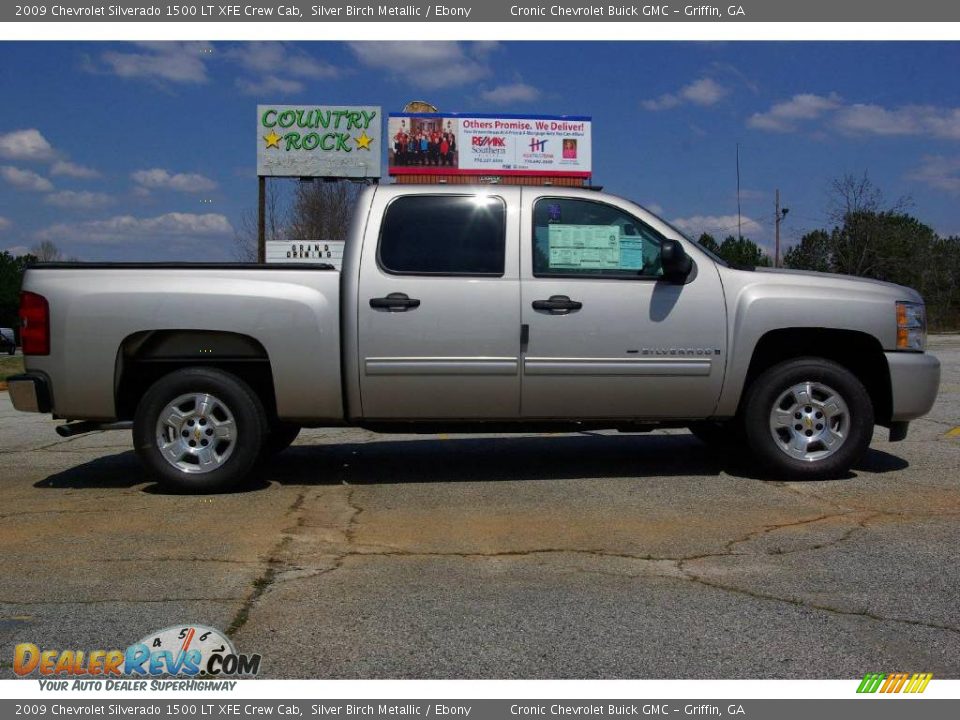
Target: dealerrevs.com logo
<point x="189" y="651"/>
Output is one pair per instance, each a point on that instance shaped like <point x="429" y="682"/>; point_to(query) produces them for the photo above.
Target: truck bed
<point x="291" y="310"/>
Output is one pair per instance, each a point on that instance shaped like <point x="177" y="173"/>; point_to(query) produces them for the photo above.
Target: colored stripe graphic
<point x="894" y="682"/>
<point x="871" y="682"/>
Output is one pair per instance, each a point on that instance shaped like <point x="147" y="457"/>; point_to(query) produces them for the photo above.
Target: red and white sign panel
<point x="449" y="144"/>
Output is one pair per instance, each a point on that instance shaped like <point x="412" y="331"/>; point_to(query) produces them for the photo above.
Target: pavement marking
<point x="954" y="433"/>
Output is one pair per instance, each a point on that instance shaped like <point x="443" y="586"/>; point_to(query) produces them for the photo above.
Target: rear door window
<point x="444" y="235"/>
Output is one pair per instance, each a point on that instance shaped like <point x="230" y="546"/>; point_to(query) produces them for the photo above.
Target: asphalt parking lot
<point x="585" y="555"/>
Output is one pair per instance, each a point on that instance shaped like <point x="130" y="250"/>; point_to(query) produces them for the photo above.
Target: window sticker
<point x="593" y="247"/>
<point x="631" y="253"/>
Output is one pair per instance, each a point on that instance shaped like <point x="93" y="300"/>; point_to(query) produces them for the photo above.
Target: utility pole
<point x="781" y="213"/>
<point x="739" y="228"/>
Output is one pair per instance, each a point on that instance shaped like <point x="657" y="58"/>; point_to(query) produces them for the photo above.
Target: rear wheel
<point x="199" y="430"/>
<point x="808" y="419"/>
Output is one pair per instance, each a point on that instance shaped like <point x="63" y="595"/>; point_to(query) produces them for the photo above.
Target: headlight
<point x="911" y="326"/>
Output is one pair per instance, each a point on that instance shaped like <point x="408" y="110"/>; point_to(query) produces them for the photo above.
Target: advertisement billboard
<point x="457" y="144"/>
<point x="319" y="141"/>
<point x="305" y="251"/>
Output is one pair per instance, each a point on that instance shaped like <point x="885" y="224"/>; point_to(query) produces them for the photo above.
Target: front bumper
<point x="914" y="381"/>
<point x="29" y="393"/>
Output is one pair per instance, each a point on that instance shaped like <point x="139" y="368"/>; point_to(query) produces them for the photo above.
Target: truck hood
<point x="809" y="277"/>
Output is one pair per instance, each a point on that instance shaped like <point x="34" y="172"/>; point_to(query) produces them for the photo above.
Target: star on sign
<point x="273" y="140"/>
<point x="363" y="142"/>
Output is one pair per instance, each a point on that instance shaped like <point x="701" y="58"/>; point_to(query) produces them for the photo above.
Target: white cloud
<point x="127" y="229"/>
<point x="859" y="118"/>
<point x="70" y="169"/>
<point x="655" y="208"/>
<point x="25" y="179"/>
<point x="269" y="85"/>
<point x="717" y="225"/>
<point x="482" y="48"/>
<point x="907" y="120"/>
<point x="78" y="199"/>
<point x="784" y="116"/>
<point x="703" y="92"/>
<point x="427" y="65"/>
<point x="18" y="250"/>
<point x="176" y="62"/>
<point x="276" y="67"/>
<point x="29" y="144"/>
<point x="937" y="171"/>
<point x="160" y="179"/>
<point x="4" y="223"/>
<point x="518" y="92"/>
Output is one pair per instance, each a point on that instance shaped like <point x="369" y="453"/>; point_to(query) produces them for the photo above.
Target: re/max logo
<point x="486" y="141"/>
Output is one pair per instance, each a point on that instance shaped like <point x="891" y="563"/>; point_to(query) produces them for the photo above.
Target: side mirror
<point x="675" y="261"/>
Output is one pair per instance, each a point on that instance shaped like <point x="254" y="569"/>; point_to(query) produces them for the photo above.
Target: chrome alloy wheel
<point x="809" y="421"/>
<point x="196" y="433"/>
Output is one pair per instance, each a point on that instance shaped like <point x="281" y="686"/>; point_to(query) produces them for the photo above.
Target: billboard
<point x="455" y="144"/>
<point x="292" y="251"/>
<point x="319" y="141"/>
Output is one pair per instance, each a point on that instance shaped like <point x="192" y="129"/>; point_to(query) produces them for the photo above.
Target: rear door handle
<point x="395" y="302"/>
<point x="557" y="304"/>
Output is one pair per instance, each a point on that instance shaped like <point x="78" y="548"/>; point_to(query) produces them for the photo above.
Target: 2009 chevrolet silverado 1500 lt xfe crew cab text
<point x="476" y="309"/>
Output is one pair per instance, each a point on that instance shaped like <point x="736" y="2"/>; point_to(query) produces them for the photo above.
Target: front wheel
<point x="808" y="419"/>
<point x="199" y="430"/>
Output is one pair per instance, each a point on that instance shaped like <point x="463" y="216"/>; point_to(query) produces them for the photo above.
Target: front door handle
<point x="395" y="302"/>
<point x="557" y="304"/>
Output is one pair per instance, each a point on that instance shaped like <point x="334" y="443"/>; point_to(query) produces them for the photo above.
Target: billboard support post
<point x="261" y="219"/>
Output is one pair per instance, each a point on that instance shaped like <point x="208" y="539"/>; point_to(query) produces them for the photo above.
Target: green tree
<point x="742" y="252"/>
<point x="11" y="276"/>
<point x="709" y="242"/>
<point x="811" y="253"/>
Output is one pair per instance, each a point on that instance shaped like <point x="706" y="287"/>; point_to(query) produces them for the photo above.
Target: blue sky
<point x="146" y="151"/>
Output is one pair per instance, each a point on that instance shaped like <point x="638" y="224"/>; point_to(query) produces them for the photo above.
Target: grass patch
<point x="9" y="366"/>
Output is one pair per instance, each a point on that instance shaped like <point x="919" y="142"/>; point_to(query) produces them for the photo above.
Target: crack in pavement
<point x="294" y="572"/>
<point x="177" y="560"/>
<point x="274" y="563"/>
<point x="679" y="564"/>
<point x="798" y="602"/>
<point x="280" y="570"/>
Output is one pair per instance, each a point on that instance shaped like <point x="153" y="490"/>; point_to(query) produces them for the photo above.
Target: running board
<point x="85" y="426"/>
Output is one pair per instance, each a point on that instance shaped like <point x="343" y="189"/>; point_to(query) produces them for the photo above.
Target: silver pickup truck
<point x="468" y="309"/>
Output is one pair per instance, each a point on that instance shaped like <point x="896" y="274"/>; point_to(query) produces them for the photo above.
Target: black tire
<point x="233" y="396"/>
<point x="282" y="435"/>
<point x="857" y="428"/>
<point x="720" y="435"/>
